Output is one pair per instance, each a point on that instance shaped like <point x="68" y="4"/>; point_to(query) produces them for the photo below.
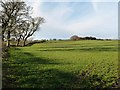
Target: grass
<point x="63" y="64"/>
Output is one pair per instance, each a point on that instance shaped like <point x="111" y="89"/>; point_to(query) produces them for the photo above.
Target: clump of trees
<point x="75" y="37"/>
<point x="16" y="22"/>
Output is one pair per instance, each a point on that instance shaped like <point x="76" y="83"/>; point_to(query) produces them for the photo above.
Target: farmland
<point x="63" y="64"/>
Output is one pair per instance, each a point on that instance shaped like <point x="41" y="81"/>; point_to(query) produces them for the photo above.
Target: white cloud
<point x="36" y="8"/>
<point x="73" y="0"/>
<point x="95" y="5"/>
<point x="100" y="22"/>
<point x="56" y="17"/>
<point x="93" y="24"/>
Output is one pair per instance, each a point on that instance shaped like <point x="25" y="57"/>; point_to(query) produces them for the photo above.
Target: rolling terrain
<point x="63" y="64"/>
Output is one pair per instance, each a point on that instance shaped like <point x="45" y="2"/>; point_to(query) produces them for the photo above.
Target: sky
<point x="65" y="18"/>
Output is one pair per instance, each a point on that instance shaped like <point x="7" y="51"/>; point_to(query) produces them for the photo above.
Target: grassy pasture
<point x="63" y="64"/>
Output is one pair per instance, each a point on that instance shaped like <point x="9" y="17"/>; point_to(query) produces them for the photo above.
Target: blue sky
<point x="82" y="18"/>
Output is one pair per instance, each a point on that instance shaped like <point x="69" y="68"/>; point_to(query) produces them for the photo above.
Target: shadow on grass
<point x="49" y="78"/>
<point x="31" y="59"/>
<point x="86" y="49"/>
<point x="20" y="57"/>
<point x="24" y="70"/>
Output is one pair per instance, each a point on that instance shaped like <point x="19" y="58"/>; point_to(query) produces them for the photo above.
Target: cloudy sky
<point x="64" y="18"/>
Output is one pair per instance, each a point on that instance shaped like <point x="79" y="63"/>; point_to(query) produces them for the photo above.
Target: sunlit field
<point x="63" y="64"/>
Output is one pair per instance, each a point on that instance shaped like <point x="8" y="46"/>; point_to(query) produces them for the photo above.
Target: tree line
<point x="75" y="37"/>
<point x="16" y="22"/>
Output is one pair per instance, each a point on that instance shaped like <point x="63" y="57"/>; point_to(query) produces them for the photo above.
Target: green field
<point x="63" y="64"/>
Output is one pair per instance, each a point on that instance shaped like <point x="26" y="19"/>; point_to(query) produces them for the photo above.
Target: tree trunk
<point x="8" y="39"/>
<point x="3" y="31"/>
<point x="18" y="41"/>
<point x="24" y="41"/>
<point x="2" y="37"/>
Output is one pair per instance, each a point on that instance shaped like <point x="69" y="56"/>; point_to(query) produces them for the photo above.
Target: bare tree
<point x="17" y="22"/>
<point x="30" y="27"/>
<point x="11" y="15"/>
<point x="17" y="33"/>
